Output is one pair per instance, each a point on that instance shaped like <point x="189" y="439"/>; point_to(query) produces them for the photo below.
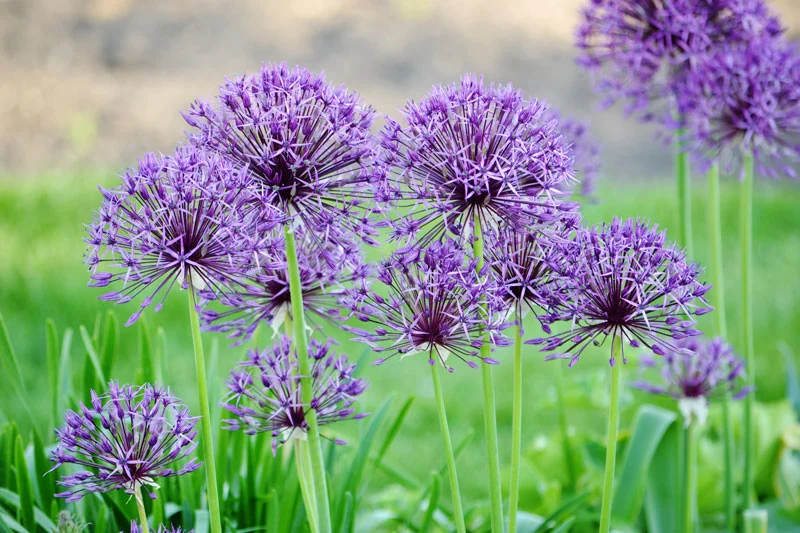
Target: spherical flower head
<point x="746" y="100"/>
<point x="472" y="152"/>
<point x="306" y="144"/>
<point x="639" y="50"/>
<point x="264" y="392"/>
<point x="160" y="529"/>
<point x="621" y="280"/>
<point x="437" y="305"/>
<point x="262" y="294"/>
<point x="698" y="371"/>
<point x="519" y="264"/>
<point x="127" y="438"/>
<point x="174" y="219"/>
<point x="585" y="149"/>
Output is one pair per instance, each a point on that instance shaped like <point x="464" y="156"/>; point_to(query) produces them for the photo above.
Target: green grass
<point x="42" y="275"/>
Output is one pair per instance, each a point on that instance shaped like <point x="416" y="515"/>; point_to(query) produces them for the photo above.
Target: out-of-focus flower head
<point x="621" y="280"/>
<point x="586" y="150"/>
<point x="437" y="305"/>
<point x="264" y="392"/>
<point x="746" y="100"/>
<point x="263" y="292"/>
<point x="127" y="438"/>
<point x="697" y="372"/>
<point x="174" y="219"/>
<point x="640" y="50"/>
<point x="470" y="152"/>
<point x="306" y="144"/>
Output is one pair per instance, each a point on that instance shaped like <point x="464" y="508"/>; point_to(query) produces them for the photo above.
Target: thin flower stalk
<point x="613" y="436"/>
<point x="746" y="217"/>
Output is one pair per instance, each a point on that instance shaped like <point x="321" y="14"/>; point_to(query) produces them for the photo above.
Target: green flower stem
<point x="682" y="173"/>
<point x="205" y="417"/>
<point x="746" y="216"/>
<point x="569" y="455"/>
<point x="489" y="412"/>
<point x="613" y="432"/>
<point x="304" y="368"/>
<point x="458" y="509"/>
<point x="718" y="283"/>
<point x="302" y="459"/>
<point x="137" y="495"/>
<point x="689" y="476"/>
<point x="516" y="430"/>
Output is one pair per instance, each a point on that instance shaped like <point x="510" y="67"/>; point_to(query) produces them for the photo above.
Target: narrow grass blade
<point x="394" y="429"/>
<point x="146" y="373"/>
<point x="12" y="500"/>
<point x="92" y="354"/>
<point x="649" y="427"/>
<point x="108" y="343"/>
<point x="457" y="451"/>
<point x="13" y="375"/>
<point x="433" y="503"/>
<point x="47" y="484"/>
<point x="64" y="389"/>
<point x="563" y="514"/>
<point x="51" y="348"/>
<point x="24" y="489"/>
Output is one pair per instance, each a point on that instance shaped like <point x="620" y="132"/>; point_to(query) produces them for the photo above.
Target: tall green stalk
<point x="613" y="434"/>
<point x="569" y="454"/>
<point x="137" y="495"/>
<point x="489" y="412"/>
<point x="458" y="509"/>
<point x="516" y="430"/>
<point x="689" y="476"/>
<point x="205" y="417"/>
<point x="746" y="217"/>
<point x="319" y="482"/>
<point x="683" y="176"/>
<point x="303" y="460"/>
<point x="718" y="283"/>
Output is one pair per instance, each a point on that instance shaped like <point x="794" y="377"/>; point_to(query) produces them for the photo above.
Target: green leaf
<point x="24" y="489"/>
<point x="564" y="514"/>
<point x="528" y="522"/>
<point x="792" y="378"/>
<point x="664" y="491"/>
<point x="12" y="373"/>
<point x="433" y="503"/>
<point x="92" y="355"/>
<point x="649" y="427"/>
<point x="47" y="484"/>
<point x="394" y="429"/>
<point x="108" y="344"/>
<point x="457" y="451"/>
<point x="347" y="521"/>
<point x="64" y="374"/>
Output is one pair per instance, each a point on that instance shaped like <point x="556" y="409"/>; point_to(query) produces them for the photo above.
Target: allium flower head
<point x="160" y="529"/>
<point x="586" y="150"/>
<point x="264" y="392"/>
<point x="639" y="50"/>
<point x="306" y="144"/>
<point x="126" y="439"/>
<point x="519" y="264"/>
<point x="434" y="306"/>
<point x="174" y="219"/>
<point x="622" y="280"/>
<point x="263" y="292"/>
<point x="474" y="151"/>
<point x="698" y="371"/>
<point x="746" y="99"/>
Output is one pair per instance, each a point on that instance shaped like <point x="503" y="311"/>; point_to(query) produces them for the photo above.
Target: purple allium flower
<point x="263" y="294"/>
<point x="586" y="150"/>
<point x="470" y="150"/>
<point x="306" y="144"/>
<point x="160" y="529"/>
<point x="625" y="281"/>
<point x="698" y="371"/>
<point x="126" y="439"/>
<point x="746" y="99"/>
<point x="435" y="306"/>
<point x="519" y="264"/>
<point x="173" y="220"/>
<point x="639" y="50"/>
<point x="264" y="392"/>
